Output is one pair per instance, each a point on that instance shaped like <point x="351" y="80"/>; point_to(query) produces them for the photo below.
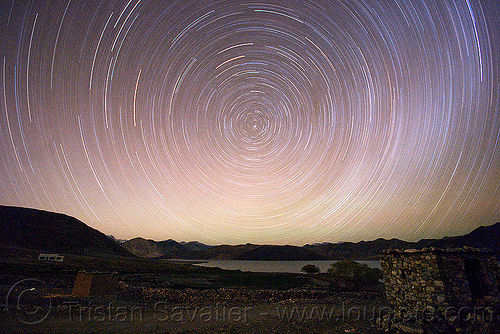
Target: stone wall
<point x="412" y="279"/>
<point x="441" y="291"/>
<point x="440" y="278"/>
<point x="92" y="284"/>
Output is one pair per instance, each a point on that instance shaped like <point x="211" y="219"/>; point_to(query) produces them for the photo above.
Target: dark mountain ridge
<point x="152" y="249"/>
<point x="58" y="233"/>
<point x="143" y="247"/>
<point x="222" y="252"/>
<point x="280" y="253"/>
<point x="52" y="232"/>
<point x="482" y="237"/>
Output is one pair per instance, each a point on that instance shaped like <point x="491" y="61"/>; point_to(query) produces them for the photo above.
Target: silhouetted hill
<point x="222" y="252"/>
<point x="143" y="248"/>
<point x="31" y="229"/>
<point x="481" y="237"/>
<point x="118" y="241"/>
<point x="363" y="250"/>
<point x="53" y="233"/>
<point x="184" y="255"/>
<point x="226" y="252"/>
<point x="280" y="253"/>
<point x="169" y="249"/>
<point x="195" y="246"/>
<point x="486" y="236"/>
<point x="170" y="245"/>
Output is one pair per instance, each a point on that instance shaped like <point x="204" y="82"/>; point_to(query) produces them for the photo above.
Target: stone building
<point x="440" y="280"/>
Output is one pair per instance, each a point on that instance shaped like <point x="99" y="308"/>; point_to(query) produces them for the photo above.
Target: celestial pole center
<point x="253" y="121"/>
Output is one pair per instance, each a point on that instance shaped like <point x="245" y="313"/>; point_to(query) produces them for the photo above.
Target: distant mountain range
<point x="152" y="249"/>
<point x="482" y="237"/>
<point x="363" y="250"/>
<point x="280" y="253"/>
<point x="52" y="232"/>
<point x="58" y="233"/>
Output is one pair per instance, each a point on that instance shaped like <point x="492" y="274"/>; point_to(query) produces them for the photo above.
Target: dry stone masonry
<point x="444" y="283"/>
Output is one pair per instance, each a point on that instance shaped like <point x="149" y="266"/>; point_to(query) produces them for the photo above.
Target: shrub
<point x="310" y="269"/>
<point x="354" y="275"/>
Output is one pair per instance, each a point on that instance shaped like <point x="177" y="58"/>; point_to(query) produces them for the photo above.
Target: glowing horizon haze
<point x="226" y="122"/>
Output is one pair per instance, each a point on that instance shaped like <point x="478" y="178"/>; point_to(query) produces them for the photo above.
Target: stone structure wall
<point x="418" y="279"/>
<point x="92" y="284"/>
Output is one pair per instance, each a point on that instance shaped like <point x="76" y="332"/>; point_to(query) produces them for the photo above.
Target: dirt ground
<point x="335" y="313"/>
<point x="162" y="297"/>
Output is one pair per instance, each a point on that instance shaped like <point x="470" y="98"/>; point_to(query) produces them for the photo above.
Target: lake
<point x="275" y="266"/>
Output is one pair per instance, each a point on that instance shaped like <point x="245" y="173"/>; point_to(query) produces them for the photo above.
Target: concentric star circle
<point x="254" y="121"/>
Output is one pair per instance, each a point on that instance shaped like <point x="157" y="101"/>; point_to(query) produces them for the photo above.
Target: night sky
<point x="285" y="122"/>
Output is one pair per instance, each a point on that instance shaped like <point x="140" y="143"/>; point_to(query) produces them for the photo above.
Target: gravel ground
<point x="203" y="311"/>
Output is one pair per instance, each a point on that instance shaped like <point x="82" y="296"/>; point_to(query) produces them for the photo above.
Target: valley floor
<point x="334" y="313"/>
<point x="166" y="297"/>
<point x="169" y="298"/>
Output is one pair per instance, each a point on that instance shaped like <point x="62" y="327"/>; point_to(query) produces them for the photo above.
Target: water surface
<point x="275" y="266"/>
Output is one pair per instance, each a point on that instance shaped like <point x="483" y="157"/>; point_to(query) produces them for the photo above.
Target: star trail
<point x="285" y="122"/>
